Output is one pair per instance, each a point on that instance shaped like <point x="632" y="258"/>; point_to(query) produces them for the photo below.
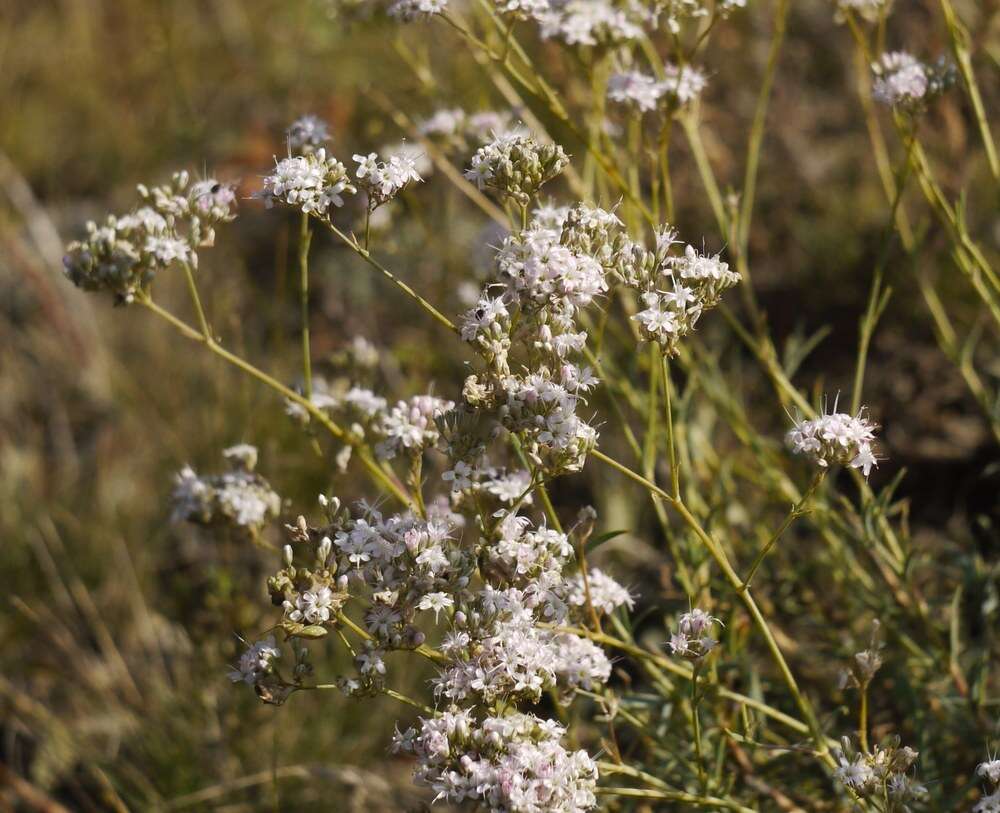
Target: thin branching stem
<point x="380" y="476"/>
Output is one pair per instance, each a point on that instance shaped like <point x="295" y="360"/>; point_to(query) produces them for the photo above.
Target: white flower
<point x="313" y="606"/>
<point x="858" y="775"/>
<point x="436" y="602"/>
<point x="606" y="595"/>
<point x="684" y="83"/>
<point x="443" y="123"/>
<point x="460" y="476"/>
<point x="240" y="498"/>
<point x="516" y="165"/>
<point x="167" y="249"/>
<point x="513" y="763"/>
<point x="370" y="662"/>
<point x="410" y="425"/>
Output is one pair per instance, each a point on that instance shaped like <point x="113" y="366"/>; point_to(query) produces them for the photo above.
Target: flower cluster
<point x="604" y="593"/>
<point x="513" y="763"/>
<point x="381" y="181"/>
<point x="836" y="439"/>
<point x="989" y="772"/>
<point x="902" y="81"/>
<point x="455" y="126"/>
<point x="313" y="183"/>
<point x="676" y="289"/>
<point x="885" y="769"/>
<point x="692" y="640"/>
<point x="679" y="86"/>
<point x="496" y="596"/>
<point x="410" y="426"/>
<point x="526" y="323"/>
<point x="407" y="10"/>
<point x="581" y="22"/>
<point x="499" y="652"/>
<point x="307" y="133"/>
<point x="256" y="662"/>
<point x="124" y="254"/>
<point x="865" y="664"/>
<point x="239" y="498"/>
<point x="677" y="12"/>
<point x="516" y="166"/>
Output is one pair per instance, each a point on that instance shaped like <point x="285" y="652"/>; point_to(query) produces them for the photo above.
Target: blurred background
<point x="116" y="627"/>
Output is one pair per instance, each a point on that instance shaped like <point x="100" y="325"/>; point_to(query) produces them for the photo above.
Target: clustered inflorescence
<point x="989" y="772"/>
<point x="124" y="254"/>
<point x="692" y="640"/>
<point x="679" y="86"/>
<point x="239" y="498"/>
<point x="836" y="439"/>
<point x="904" y="82"/>
<point x="884" y="770"/>
<point x="514" y="762"/>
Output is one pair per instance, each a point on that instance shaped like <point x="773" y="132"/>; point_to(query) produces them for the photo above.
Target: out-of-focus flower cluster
<point x="904" y="82"/>
<point x="408" y="10"/>
<point x="124" y="254"/>
<point x="679" y="86"/>
<point x="883" y="770"/>
<point x="989" y="772"/>
<point x="239" y="498"/>
<point x="455" y="127"/>
<point x="603" y="22"/>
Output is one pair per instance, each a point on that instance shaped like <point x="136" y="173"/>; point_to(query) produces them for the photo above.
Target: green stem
<point x="196" y="301"/>
<point x="696" y="725"/>
<point x="797" y="511"/>
<point x="690" y="125"/>
<point x="675" y="475"/>
<point x="423" y="649"/>
<point x="305" y="239"/>
<point x="959" y="43"/>
<point x="373" y="469"/>
<point x="685" y="672"/>
<point x="367" y="257"/>
<point x="757" y="128"/>
<point x="863" y="719"/>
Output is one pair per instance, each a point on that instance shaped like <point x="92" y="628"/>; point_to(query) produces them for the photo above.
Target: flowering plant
<point x="463" y="557"/>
